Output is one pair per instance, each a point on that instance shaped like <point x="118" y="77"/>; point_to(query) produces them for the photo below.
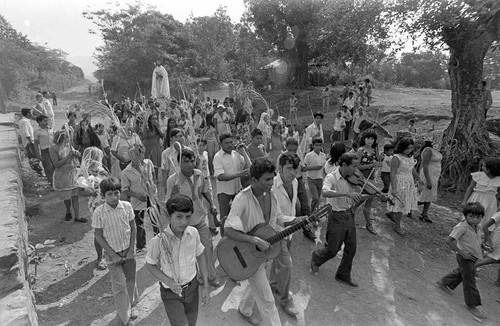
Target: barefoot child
<point x="114" y="229"/>
<point x="492" y="240"/>
<point x="466" y="242"/>
<point x="179" y="244"/>
<point x="385" y="170"/>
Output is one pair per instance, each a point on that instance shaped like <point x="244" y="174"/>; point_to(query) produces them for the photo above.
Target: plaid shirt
<point x="115" y="224"/>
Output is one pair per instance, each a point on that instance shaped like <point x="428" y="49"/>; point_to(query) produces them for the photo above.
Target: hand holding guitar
<point x="263" y="245"/>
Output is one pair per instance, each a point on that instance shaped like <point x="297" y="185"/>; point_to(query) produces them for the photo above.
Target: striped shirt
<point x="177" y="257"/>
<point x="115" y="224"/>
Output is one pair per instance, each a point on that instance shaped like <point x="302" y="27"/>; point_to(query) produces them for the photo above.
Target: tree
<point x="286" y="24"/>
<point x="425" y="69"/>
<point x="468" y="28"/>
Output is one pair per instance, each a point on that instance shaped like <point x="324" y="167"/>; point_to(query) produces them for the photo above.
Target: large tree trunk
<point x="465" y="141"/>
<point x="302" y="71"/>
<point x="3" y="107"/>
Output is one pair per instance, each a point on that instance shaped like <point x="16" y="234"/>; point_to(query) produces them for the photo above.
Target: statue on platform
<point x="160" y="87"/>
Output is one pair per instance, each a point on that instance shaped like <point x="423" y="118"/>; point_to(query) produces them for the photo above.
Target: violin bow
<point x="366" y="181"/>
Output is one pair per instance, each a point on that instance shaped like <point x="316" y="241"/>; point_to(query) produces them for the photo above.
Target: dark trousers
<point x="315" y="187"/>
<point x="47" y="165"/>
<point x="340" y="229"/>
<point x="141" y="233"/>
<point x="386" y="179"/>
<point x="466" y="274"/>
<point x="224" y="208"/>
<point x="347" y="129"/>
<point x="181" y="310"/>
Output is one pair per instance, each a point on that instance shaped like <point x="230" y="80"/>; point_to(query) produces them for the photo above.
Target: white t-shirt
<point x="313" y="159"/>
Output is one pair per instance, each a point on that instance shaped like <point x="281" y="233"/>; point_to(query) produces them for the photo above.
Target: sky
<point x="59" y="23"/>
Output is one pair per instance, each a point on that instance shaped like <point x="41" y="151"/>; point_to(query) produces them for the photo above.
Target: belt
<point x="183" y="286"/>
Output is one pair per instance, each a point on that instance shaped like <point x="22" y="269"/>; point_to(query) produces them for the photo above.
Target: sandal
<point x="102" y="265"/>
<point x="68" y="217"/>
<point x="81" y="220"/>
<point x="425" y="218"/>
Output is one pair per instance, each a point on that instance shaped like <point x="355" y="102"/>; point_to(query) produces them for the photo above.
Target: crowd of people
<point x="194" y="154"/>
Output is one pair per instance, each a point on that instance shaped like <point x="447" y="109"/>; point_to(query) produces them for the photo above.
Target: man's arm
<point x="133" y="232"/>
<point x="98" y="233"/>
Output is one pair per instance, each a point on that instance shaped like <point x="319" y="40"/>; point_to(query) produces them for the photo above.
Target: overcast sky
<point x="60" y="24"/>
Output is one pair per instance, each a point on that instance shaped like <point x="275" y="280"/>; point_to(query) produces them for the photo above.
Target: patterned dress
<point x="484" y="193"/>
<point x="406" y="191"/>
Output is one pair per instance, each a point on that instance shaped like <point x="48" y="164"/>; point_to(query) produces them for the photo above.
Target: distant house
<point x="278" y="73"/>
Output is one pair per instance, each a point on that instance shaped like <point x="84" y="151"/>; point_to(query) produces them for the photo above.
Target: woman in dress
<point x="484" y="188"/>
<point x="430" y="172"/>
<point x="275" y="145"/>
<point x="402" y="190"/>
<point x="65" y="160"/>
<point x="150" y="138"/>
<point x="209" y="133"/>
<point x="368" y="162"/>
<point x="492" y="240"/>
<point x="171" y="124"/>
<point x="265" y="126"/>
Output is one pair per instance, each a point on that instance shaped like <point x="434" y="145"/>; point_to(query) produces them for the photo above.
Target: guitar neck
<point x="286" y="232"/>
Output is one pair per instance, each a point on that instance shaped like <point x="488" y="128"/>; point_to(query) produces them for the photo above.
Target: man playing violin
<point x="341" y="228"/>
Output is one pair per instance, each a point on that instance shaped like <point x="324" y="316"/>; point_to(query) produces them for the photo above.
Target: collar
<point x="187" y="232"/>
<point x="183" y="178"/>
<point x="467" y="225"/>
<point x="278" y="182"/>
<point x="107" y="207"/>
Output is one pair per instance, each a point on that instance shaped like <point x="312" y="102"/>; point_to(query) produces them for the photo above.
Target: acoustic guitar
<point x="240" y="260"/>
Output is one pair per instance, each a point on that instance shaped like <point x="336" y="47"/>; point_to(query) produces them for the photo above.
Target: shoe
<point x="68" y="217"/>
<point x="444" y="287"/>
<point x="346" y="281"/>
<point x="390" y="215"/>
<point x="215" y="282"/>
<point x="370" y="229"/>
<point x="102" y="265"/>
<point x="309" y="235"/>
<point x="141" y="251"/>
<point x="476" y="312"/>
<point x="250" y="319"/>
<point x="289" y="307"/>
<point x="425" y="218"/>
<point x="81" y="220"/>
<point x="214" y="231"/>
<point x="314" y="267"/>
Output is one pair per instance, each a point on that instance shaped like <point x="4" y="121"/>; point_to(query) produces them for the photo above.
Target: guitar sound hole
<point x="257" y="249"/>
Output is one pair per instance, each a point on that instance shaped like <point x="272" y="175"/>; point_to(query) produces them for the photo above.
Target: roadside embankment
<point x="17" y="306"/>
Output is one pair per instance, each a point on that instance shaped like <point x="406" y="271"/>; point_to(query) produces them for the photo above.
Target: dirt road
<point x="396" y="275"/>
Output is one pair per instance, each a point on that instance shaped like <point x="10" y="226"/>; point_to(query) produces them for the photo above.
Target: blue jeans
<point x="315" y="186"/>
<point x="466" y="274"/>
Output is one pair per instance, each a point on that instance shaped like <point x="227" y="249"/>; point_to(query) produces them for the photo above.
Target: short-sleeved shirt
<point x="386" y="163"/>
<point x="115" y="224"/>
<point x="335" y="181"/>
<point x="228" y="163"/>
<point x="313" y="159"/>
<point x="246" y="212"/>
<point x="468" y="239"/>
<point x="26" y="130"/>
<point x="132" y="180"/>
<point x="121" y="145"/>
<point x="200" y="185"/>
<point x="170" y="160"/>
<point x="42" y="136"/>
<point x="176" y="257"/>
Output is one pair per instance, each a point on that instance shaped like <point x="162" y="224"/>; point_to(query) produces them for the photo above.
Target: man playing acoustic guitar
<point x="341" y="227"/>
<point x="256" y="205"/>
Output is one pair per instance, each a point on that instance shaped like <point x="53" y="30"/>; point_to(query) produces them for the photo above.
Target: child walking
<point x="466" y="242"/>
<point x="484" y="187"/>
<point x="114" y="229"/>
<point x="172" y="257"/>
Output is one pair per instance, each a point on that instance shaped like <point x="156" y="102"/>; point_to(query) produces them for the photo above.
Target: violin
<point x="368" y="188"/>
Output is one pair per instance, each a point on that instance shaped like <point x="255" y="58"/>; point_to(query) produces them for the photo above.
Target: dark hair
<point x="256" y="132"/>
<point x="70" y="114"/>
<point x="260" y="166"/>
<point x="347" y="158"/>
<point x="411" y="121"/>
<point x="25" y="111"/>
<point x="427" y="143"/>
<point x="351" y="93"/>
<point x="291" y="141"/>
<point x="473" y="208"/>
<point x="202" y="140"/>
<point x="354" y="145"/>
<point x="188" y="153"/>
<point x="38" y="95"/>
<point x="367" y="134"/>
<point x="367" y="80"/>
<point x="493" y="164"/>
<point x="388" y="147"/>
<point x="403" y="144"/>
<point x="110" y="184"/>
<point x="484" y="82"/>
<point x="175" y="131"/>
<point x="225" y="135"/>
<point x="319" y="114"/>
<point x="317" y="140"/>
<point x="41" y="117"/>
<point x="289" y="158"/>
<point x="179" y="203"/>
<point x="167" y="132"/>
<point x="337" y="149"/>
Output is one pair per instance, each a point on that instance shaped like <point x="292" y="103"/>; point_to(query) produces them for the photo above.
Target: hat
<point x="221" y="106"/>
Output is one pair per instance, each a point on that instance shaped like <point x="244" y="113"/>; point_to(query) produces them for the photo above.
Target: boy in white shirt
<point x="385" y="170"/>
<point x="314" y="161"/>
